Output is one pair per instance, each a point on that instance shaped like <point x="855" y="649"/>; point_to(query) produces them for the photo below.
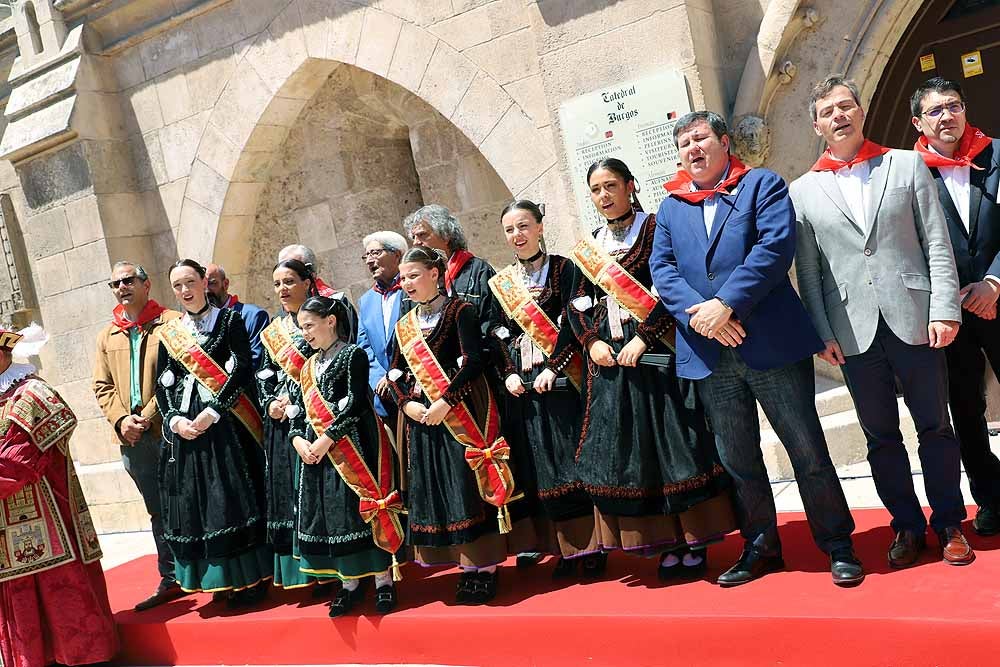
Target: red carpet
<point x="932" y="614"/>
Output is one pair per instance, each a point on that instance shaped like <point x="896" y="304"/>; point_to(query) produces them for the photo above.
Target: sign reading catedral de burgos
<point x="632" y="121"/>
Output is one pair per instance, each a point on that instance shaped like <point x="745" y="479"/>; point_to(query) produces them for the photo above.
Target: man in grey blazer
<point x="877" y="276"/>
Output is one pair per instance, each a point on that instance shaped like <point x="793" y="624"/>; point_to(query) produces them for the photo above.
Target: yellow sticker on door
<point x="927" y="63"/>
<point x="972" y="64"/>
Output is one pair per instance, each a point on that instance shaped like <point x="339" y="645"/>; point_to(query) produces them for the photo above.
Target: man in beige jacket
<point x="124" y="384"/>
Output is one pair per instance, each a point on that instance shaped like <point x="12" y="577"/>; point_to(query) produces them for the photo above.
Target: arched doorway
<point x="945" y="30"/>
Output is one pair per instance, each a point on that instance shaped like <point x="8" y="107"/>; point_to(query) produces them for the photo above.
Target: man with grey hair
<point x="466" y="276"/>
<point x="124" y="384"/>
<point x="305" y="255"/>
<point x="379" y="309"/>
<point x="876" y="271"/>
<point x="255" y="319"/>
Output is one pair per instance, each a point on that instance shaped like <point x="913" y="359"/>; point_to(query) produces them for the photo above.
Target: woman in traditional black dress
<point x="212" y="467"/>
<point x="349" y="511"/>
<point x="541" y="367"/>
<point x="646" y="455"/>
<point x="278" y="382"/>
<point x="459" y="480"/>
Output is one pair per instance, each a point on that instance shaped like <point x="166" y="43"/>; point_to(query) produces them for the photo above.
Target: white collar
<point x="14" y="374"/>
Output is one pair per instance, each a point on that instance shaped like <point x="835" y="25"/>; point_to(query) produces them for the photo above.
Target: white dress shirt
<point x="710" y="205"/>
<point x="854" y="185"/>
<point x="956" y="179"/>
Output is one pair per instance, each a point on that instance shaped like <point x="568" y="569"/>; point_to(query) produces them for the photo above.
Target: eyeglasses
<point x="127" y="281"/>
<point x="373" y="254"/>
<point x="954" y="109"/>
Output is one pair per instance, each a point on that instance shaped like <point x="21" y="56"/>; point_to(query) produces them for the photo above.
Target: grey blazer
<point x="898" y="263"/>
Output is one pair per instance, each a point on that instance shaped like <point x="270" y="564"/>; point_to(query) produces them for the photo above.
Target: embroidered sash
<point x="280" y="344"/>
<point x="521" y="307"/>
<point x="605" y="272"/>
<point x="486" y="453"/>
<point x="381" y="504"/>
<point x="181" y="344"/>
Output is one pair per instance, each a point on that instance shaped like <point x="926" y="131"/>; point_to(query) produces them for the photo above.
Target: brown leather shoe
<point x="905" y="549"/>
<point x="954" y="548"/>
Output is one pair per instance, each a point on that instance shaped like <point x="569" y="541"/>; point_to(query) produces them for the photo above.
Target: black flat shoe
<point x="463" y="593"/>
<point x="322" y="591"/>
<point x="987" y="522"/>
<point x="385" y="599"/>
<point x="594" y="565"/>
<point x="751" y="565"/>
<point x="668" y="572"/>
<point x="345" y="600"/>
<point x="845" y="568"/>
<point x="484" y="587"/>
<point x="529" y="559"/>
<point x="164" y="593"/>
<point x="248" y="597"/>
<point x="565" y="567"/>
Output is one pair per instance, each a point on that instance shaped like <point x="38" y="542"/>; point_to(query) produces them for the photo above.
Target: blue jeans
<point x="923" y="375"/>
<point x="142" y="463"/>
<point x="787" y="396"/>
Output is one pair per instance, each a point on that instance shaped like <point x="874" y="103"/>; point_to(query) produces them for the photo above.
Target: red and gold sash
<point x="181" y="344"/>
<point x="487" y="453"/>
<point x="281" y="346"/>
<point x="380" y="504"/>
<point x="604" y="271"/>
<point x="521" y="307"/>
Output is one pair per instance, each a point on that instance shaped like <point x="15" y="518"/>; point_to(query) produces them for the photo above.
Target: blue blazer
<point x="372" y="338"/>
<point x="256" y="320"/>
<point x="745" y="262"/>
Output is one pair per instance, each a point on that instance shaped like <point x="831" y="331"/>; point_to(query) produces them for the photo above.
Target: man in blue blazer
<point x="255" y="319"/>
<point x="379" y="309"/>
<point x="725" y="240"/>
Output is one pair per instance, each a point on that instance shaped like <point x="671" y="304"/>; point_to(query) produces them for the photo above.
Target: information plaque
<point x="632" y="121"/>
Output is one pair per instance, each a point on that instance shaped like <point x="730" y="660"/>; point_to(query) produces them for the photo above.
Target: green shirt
<point x="135" y="388"/>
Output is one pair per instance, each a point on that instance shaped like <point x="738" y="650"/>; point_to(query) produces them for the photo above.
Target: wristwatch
<point x="723" y="302"/>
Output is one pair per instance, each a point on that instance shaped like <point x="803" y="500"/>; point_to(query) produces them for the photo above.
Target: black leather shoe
<point x="751" y="565"/>
<point x="845" y="568"/>
<point x="385" y="599"/>
<point x="322" y="590"/>
<point x="165" y="592"/>
<point x="987" y="522"/>
<point x="529" y="558"/>
<point x="484" y="587"/>
<point x="906" y="548"/>
<point x="565" y="567"/>
<point x="248" y="597"/>
<point x="594" y="565"/>
<point x="345" y="600"/>
<point x="680" y="570"/>
<point x="463" y="593"/>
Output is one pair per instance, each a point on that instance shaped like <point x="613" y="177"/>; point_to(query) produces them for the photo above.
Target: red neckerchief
<point x="150" y="312"/>
<point x="869" y="149"/>
<point x="232" y="301"/>
<point x="323" y="288"/>
<point x="680" y="185"/>
<point x="386" y="291"/>
<point x="456" y="263"/>
<point x="972" y="144"/>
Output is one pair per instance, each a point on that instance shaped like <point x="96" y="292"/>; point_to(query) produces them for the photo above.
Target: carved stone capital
<point x="751" y="140"/>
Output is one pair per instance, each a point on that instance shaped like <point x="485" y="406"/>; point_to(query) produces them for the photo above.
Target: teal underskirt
<point x="222" y="574"/>
<point x="287" y="573"/>
<point x="352" y="566"/>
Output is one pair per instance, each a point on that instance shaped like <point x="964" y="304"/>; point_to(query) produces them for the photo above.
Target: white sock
<point x="693" y="558"/>
<point x="669" y="560"/>
<point x="351" y="584"/>
<point x="383" y="579"/>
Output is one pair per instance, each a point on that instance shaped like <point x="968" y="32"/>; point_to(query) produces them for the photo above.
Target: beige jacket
<point x="112" y="372"/>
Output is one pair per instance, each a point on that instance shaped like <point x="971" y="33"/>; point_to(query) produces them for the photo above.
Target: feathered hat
<point x="25" y="343"/>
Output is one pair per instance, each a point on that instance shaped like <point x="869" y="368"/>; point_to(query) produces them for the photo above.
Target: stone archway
<point x="283" y="68"/>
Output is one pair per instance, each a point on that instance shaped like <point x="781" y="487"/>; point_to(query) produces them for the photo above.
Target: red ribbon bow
<point x="382" y="511"/>
<point x="869" y="149"/>
<point x="680" y="185"/>
<point x="973" y="143"/>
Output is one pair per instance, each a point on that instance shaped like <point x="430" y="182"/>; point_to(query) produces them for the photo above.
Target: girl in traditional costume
<point x="645" y="455"/>
<point x="542" y="369"/>
<point x="212" y="466"/>
<point x="349" y="512"/>
<point x="286" y="352"/>
<point x="459" y="480"/>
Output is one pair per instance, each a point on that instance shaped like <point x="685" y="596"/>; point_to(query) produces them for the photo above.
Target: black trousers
<point x="923" y="375"/>
<point x="141" y="462"/>
<point x="978" y="341"/>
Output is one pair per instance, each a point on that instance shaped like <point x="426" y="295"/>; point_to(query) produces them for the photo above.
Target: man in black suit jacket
<point x="966" y="167"/>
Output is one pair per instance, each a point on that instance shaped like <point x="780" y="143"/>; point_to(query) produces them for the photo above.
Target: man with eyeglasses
<point x="964" y="163"/>
<point x="124" y="384"/>
<point x="379" y="309"/>
<point x="877" y="276"/>
<point x="255" y="319"/>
